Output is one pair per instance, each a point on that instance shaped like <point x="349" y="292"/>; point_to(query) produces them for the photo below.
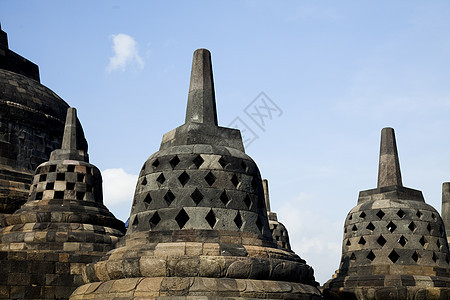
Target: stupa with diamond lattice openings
<point x="395" y="245"/>
<point x="198" y="225"/>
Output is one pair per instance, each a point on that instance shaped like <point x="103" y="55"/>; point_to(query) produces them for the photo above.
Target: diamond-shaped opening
<point x="224" y="198"/>
<point x="402" y="241"/>
<point x="155" y="163"/>
<point x="182" y="218"/>
<point x="70" y="168"/>
<point x="391" y="226"/>
<point x="39" y="195"/>
<point x="148" y="199"/>
<point x="348" y="242"/>
<point x="438" y="244"/>
<point x="354" y="228"/>
<point x="235" y="180"/>
<point x="362" y="241"/>
<point x="223" y="162"/>
<point x="197" y="196"/>
<point x="362" y="215"/>
<point x="419" y="214"/>
<point x="433" y="216"/>
<point x="174" y="161"/>
<point x="198" y="161"/>
<point x="161" y="178"/>
<point x="345" y="229"/>
<point x="49" y="185"/>
<point x="380" y="214"/>
<point x="169" y="197"/>
<point x="70" y="186"/>
<point x="60" y="195"/>
<point x="210" y="178"/>
<point x="351" y="217"/>
<point x="80" y="177"/>
<point x="370" y="226"/>
<point x="42" y="177"/>
<point x="135" y="221"/>
<point x="415" y="256"/>
<point x="254" y="183"/>
<point x="80" y="195"/>
<point x="353" y="256"/>
<point x="154" y="220"/>
<point x="429" y="227"/>
<point x="434" y="257"/>
<point x="52" y="168"/>
<point x="183" y="178"/>
<point x="393" y="256"/>
<point x="259" y="224"/>
<point x="423" y="241"/>
<point x="412" y="226"/>
<point x="238" y="220"/>
<point x="371" y="256"/>
<point x="244" y="166"/>
<point x="248" y="201"/>
<point x="144" y="181"/>
<point x="381" y="241"/>
<point x="401" y="213"/>
<point x="211" y="218"/>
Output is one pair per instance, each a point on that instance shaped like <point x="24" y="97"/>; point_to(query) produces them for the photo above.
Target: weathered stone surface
<point x="199" y="203"/>
<point x="394" y="243"/>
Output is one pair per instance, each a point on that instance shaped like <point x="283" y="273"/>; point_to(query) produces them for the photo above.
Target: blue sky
<point x="339" y="71"/>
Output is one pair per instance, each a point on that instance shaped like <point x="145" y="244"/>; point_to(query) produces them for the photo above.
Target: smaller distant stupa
<point x="46" y="243"/>
<point x="395" y="245"/>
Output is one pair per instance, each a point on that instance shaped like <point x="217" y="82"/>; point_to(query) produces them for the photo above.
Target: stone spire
<point x="201" y="106"/>
<point x="390" y="238"/>
<point x="71" y="147"/>
<point x="198" y="224"/>
<point x="3" y="38"/>
<point x="266" y="193"/>
<point x="446" y="206"/>
<point x="389" y="166"/>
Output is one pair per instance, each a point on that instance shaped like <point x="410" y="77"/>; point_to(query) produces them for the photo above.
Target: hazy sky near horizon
<point x="338" y="71"/>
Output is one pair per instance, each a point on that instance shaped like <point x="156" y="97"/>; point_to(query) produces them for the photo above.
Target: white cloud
<point x="118" y="191"/>
<point x="125" y="53"/>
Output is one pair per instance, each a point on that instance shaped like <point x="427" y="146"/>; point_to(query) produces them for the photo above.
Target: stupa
<point x="395" y="245"/>
<point x="446" y="207"/>
<point x="64" y="225"/>
<point x="279" y="231"/>
<point x="32" y="123"/>
<point x="198" y="227"/>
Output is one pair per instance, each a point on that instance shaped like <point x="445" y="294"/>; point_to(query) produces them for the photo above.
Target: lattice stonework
<point x="213" y="184"/>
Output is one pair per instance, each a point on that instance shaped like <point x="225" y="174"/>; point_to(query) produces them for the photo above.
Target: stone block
<point x="152" y="266"/>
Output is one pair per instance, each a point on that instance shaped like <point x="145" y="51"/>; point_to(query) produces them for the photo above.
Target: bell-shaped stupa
<point x="64" y="225"/>
<point x="394" y="246"/>
<point x="198" y="227"/>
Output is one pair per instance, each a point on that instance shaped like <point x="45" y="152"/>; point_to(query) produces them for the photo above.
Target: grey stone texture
<point x="62" y="227"/>
<point x="31" y="126"/>
<point x="395" y="245"/>
<point x="278" y="230"/>
<point x="198" y="227"/>
<point x="446" y="206"/>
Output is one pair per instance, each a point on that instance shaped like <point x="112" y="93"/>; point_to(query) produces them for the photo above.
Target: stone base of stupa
<point x="194" y="288"/>
<point x="396" y="286"/>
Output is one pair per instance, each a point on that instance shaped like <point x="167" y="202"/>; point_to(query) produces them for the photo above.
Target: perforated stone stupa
<point x="279" y="231"/>
<point x="64" y="225"/>
<point x="395" y="245"/>
<point x="198" y="225"/>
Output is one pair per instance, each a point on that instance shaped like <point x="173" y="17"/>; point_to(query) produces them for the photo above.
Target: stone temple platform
<point x="395" y="245"/>
<point x="198" y="227"/>
<point x="64" y="225"/>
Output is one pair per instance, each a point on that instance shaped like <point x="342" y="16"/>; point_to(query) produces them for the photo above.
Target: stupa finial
<point x="70" y="130"/>
<point x="201" y="107"/>
<point x="389" y="166"/>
